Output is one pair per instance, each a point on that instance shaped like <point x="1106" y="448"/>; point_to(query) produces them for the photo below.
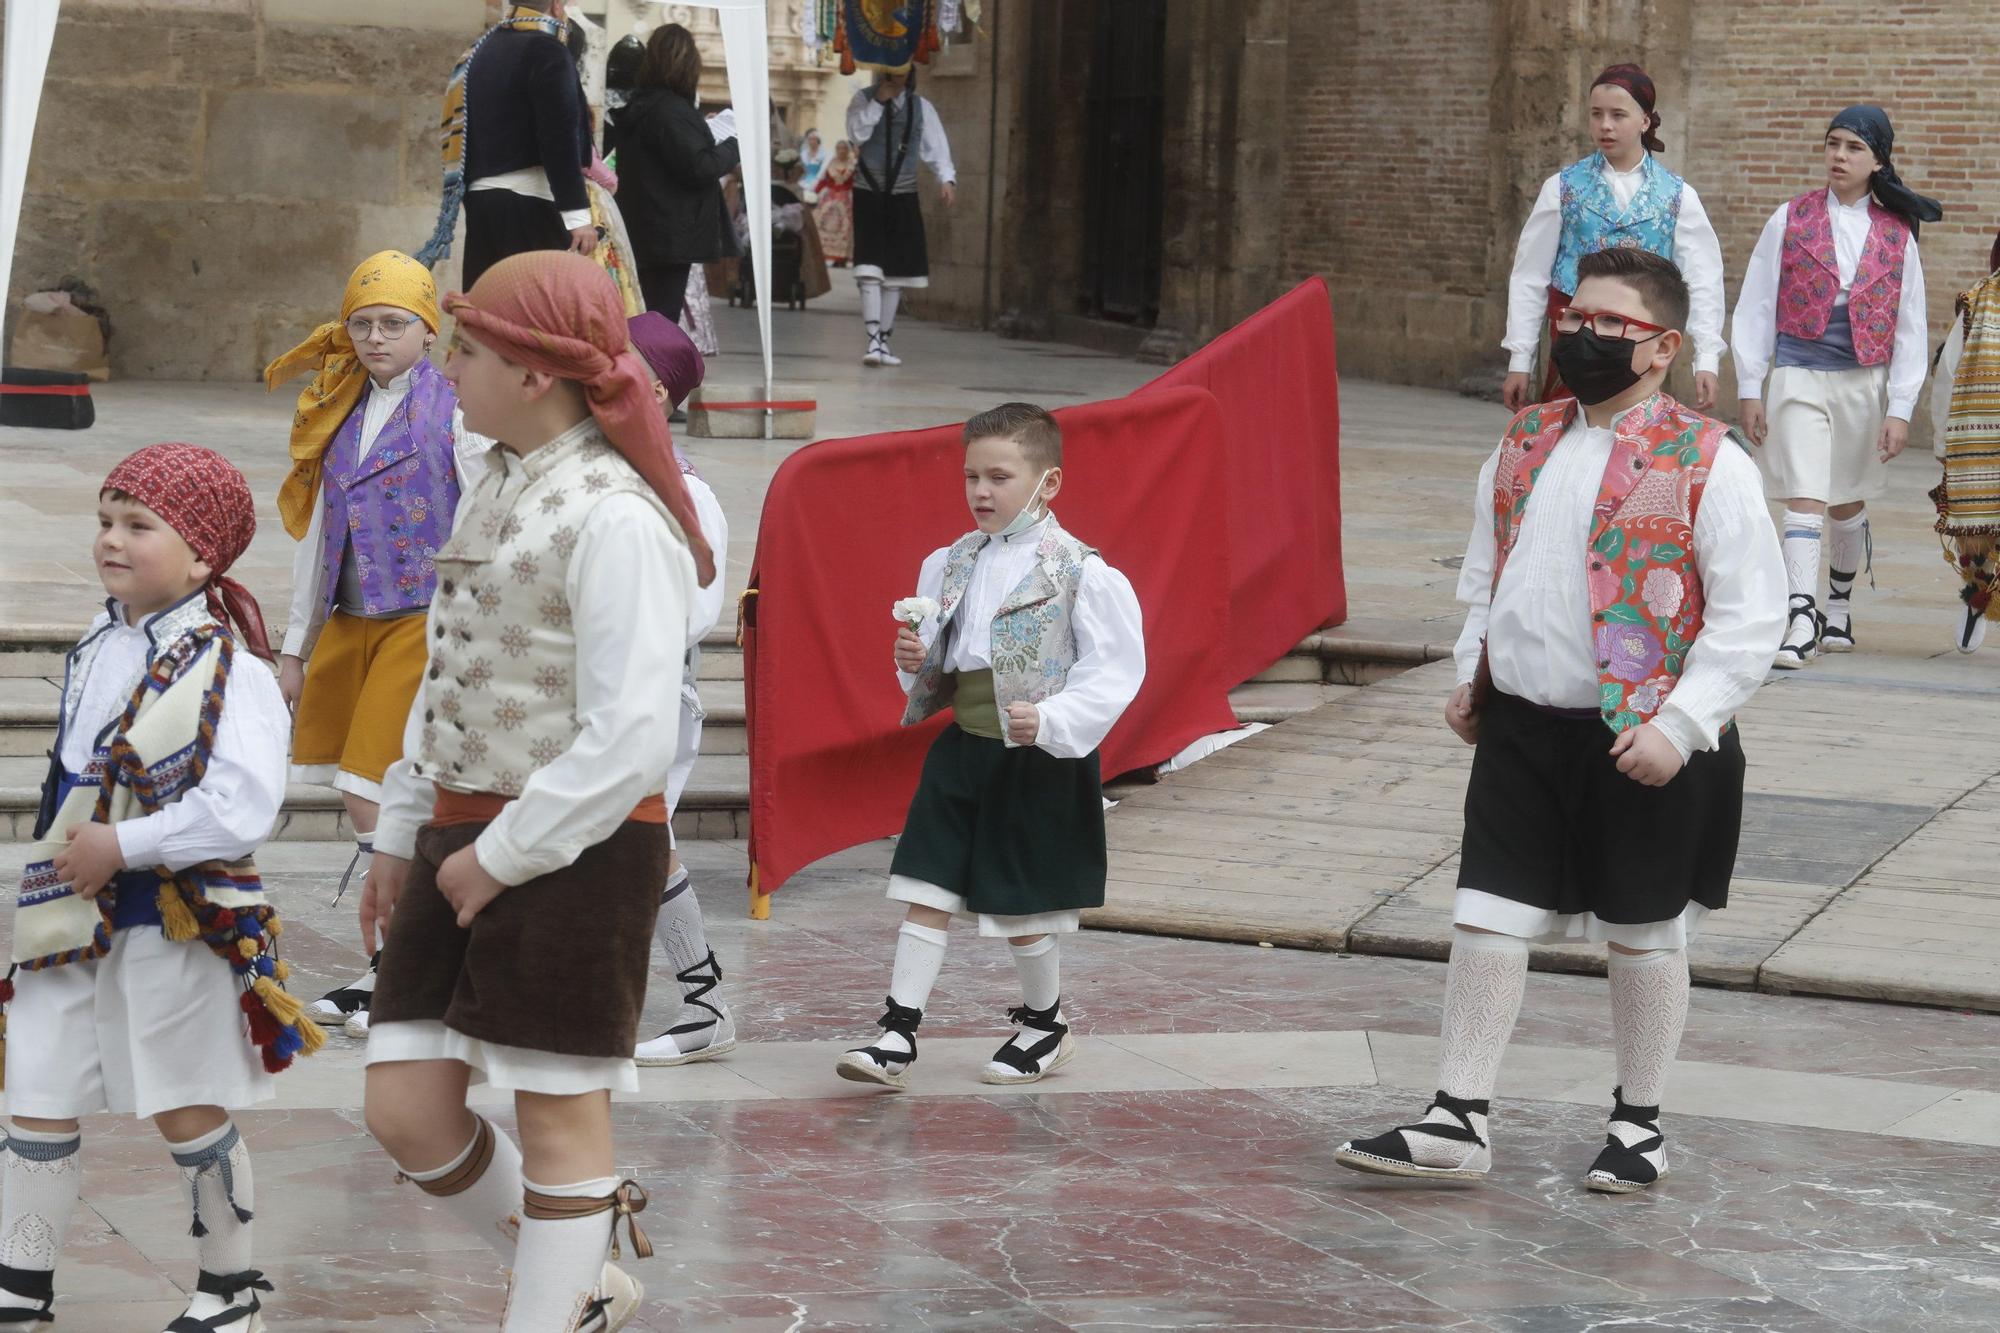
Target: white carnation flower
<point x="914" y="611"/>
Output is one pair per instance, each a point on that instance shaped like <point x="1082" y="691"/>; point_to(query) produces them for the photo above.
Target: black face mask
<point x="1595" y="368"/>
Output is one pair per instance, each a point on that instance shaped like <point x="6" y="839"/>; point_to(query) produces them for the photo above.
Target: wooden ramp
<point x="1871" y="832"/>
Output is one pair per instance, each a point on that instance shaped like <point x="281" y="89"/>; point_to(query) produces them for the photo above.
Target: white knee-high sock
<point x="892" y="297"/>
<point x="1040" y="966"/>
<point x="481" y="1187"/>
<point x="1802" y="540"/>
<point x="558" y="1262"/>
<point x="680" y="930"/>
<point x="1482" y="996"/>
<point x="1846" y="555"/>
<point x="871" y="306"/>
<point x="216" y="1167"/>
<point x="1649" y="1006"/>
<point x="919" y="958"/>
<point x="44" y="1174"/>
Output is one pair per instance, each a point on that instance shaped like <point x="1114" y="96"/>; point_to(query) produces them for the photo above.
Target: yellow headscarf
<point x="388" y="278"/>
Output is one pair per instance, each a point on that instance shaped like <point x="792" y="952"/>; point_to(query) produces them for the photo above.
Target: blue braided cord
<point x="29" y="1151"/>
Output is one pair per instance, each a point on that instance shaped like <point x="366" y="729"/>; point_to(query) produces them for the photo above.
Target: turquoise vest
<point x="1592" y="220"/>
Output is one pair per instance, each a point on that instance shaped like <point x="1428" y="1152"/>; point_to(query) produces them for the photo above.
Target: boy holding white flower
<point x="1035" y="644"/>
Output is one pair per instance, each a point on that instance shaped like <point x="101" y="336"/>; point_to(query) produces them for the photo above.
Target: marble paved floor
<point x="1834" y="1161"/>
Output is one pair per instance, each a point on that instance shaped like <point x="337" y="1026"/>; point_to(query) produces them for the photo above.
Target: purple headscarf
<point x="665" y="347"/>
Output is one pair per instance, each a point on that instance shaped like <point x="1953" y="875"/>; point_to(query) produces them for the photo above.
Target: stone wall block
<point x="53" y="248"/>
<point x="423" y="159"/>
<point x="390" y="62"/>
<point x="97" y="140"/>
<point x="218" y="57"/>
<point x="178" y="13"/>
<point x="112" y="52"/>
<point x="287" y="146"/>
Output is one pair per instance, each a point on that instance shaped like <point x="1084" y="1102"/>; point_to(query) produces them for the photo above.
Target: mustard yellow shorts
<point x="359" y="685"/>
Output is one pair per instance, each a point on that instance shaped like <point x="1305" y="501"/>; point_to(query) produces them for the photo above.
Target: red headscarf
<point x="1638" y="83"/>
<point x="560" y="314"/>
<point x="200" y="495"/>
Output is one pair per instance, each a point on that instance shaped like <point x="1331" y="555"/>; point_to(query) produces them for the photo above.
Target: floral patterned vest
<point x="1034" y="635"/>
<point x="1809" y="277"/>
<point x="393" y="507"/>
<point x="1645" y="591"/>
<point x="499" y="699"/>
<point x="1593" y="221"/>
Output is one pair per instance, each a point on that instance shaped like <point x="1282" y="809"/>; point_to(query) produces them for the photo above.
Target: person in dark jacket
<point x="670" y="163"/>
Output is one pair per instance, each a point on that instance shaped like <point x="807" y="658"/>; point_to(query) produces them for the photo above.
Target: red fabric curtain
<point x="1274" y="377"/>
<point x="846" y="524"/>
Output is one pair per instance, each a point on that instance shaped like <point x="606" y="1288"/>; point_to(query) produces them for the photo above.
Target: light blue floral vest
<point x="1592" y="220"/>
<point x="1034" y="634"/>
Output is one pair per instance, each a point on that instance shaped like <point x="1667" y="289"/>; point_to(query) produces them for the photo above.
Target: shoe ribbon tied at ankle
<point x="626" y="1203"/>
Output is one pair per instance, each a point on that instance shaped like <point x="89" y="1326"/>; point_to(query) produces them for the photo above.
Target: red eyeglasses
<point x="1604" y="323"/>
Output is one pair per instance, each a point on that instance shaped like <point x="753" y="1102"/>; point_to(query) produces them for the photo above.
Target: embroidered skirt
<point x="349" y="726"/>
<point x="889" y="239"/>
<point x="1824" y="427"/>
<point x="1560" y="844"/>
<point x="1015" y="832"/>
<point x="558" y="964"/>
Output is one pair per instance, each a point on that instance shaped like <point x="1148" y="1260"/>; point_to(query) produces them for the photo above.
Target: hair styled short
<point x="673" y="61"/>
<point x="1027" y="425"/>
<point x="1657" y="280"/>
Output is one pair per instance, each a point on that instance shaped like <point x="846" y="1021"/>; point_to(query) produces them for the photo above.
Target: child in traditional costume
<point x="523" y="838"/>
<point x="1035" y="644"/>
<point x="1965" y="414"/>
<point x="142" y="939"/>
<point x="1619" y="195"/>
<point x="893" y="130"/>
<point x="370" y="498"/>
<point x="704" y="1028"/>
<point x="1622" y="576"/>
<point x="1833" y="298"/>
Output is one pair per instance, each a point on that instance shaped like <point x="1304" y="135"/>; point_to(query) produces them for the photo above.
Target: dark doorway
<point x="1125" y="161"/>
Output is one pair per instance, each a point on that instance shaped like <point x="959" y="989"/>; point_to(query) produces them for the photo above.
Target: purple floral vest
<point x="395" y="506"/>
<point x="1809" y="277"/>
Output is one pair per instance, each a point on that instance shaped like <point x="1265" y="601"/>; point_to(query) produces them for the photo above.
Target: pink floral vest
<point x="1645" y="591"/>
<point x="1809" y="277"/>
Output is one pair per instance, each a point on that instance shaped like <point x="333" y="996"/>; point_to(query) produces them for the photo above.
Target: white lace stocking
<point x="1649" y="1006"/>
<point x="1482" y="996"/>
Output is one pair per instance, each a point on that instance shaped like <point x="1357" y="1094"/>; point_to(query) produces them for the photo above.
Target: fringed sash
<point x="1968" y="498"/>
<point x="159" y="751"/>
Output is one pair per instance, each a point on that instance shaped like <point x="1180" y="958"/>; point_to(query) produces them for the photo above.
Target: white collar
<point x="398" y="386"/>
<point x="1610" y="170"/>
<point x="1858" y="206"/>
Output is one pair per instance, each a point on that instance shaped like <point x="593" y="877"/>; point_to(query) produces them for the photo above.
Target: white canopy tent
<point x="31" y="30"/>
<point x="746" y="48"/>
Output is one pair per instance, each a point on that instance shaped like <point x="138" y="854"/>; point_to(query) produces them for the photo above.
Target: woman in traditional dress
<point x="835" y="212"/>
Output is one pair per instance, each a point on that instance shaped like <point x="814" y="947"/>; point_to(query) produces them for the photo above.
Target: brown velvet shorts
<point x="557" y="964"/>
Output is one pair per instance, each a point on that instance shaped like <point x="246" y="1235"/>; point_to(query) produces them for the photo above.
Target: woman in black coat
<point x="669" y="171"/>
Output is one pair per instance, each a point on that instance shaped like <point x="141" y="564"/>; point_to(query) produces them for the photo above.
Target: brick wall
<point x="1388" y="178"/>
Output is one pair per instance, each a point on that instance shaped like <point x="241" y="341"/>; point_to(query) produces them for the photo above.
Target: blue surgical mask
<point x="1032" y="512"/>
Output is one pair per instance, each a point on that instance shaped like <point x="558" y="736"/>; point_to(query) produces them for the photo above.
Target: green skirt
<point x="1014" y="832"/>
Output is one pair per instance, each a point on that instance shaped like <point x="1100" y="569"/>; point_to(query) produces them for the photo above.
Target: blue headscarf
<point x="1870" y="124"/>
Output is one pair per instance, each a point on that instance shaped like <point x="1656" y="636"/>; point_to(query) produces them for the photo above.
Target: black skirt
<point x="1013" y="831"/>
<point x="889" y="234"/>
<point x="1550" y="822"/>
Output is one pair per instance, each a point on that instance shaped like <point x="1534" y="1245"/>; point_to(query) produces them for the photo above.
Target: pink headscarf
<point x="560" y="314"/>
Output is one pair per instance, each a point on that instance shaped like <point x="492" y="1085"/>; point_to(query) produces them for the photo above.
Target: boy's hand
<point x="1024" y="723"/>
<point x="1895" y="437"/>
<point x="947" y="194"/>
<point x="909" y="651"/>
<point x="379" y="895"/>
<point x="1460" y="717"/>
<point x="1514" y="390"/>
<point x="1750" y="415"/>
<point x="583" y="240"/>
<point x="291" y="679"/>
<point x="466" y="885"/>
<point x="1707" y="388"/>
<point x="1646" y="756"/>
<point x="92" y="859"/>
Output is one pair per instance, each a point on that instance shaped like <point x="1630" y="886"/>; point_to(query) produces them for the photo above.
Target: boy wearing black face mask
<point x="1623" y="580"/>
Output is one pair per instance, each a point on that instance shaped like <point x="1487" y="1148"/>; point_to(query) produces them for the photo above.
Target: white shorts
<point x="511" y="1068"/>
<point x="1824" y="425"/>
<point x="1504" y="916"/>
<point x="687" y="746"/>
<point x="904" y="889"/>
<point x="153" y="1026"/>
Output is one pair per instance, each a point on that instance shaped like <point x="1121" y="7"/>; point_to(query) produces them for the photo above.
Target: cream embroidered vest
<point x="499" y="697"/>
<point x="1034" y="634"/>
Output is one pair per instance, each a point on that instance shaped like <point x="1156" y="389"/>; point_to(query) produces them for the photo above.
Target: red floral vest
<point x="1645" y="591"/>
<point x="1809" y="277"/>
